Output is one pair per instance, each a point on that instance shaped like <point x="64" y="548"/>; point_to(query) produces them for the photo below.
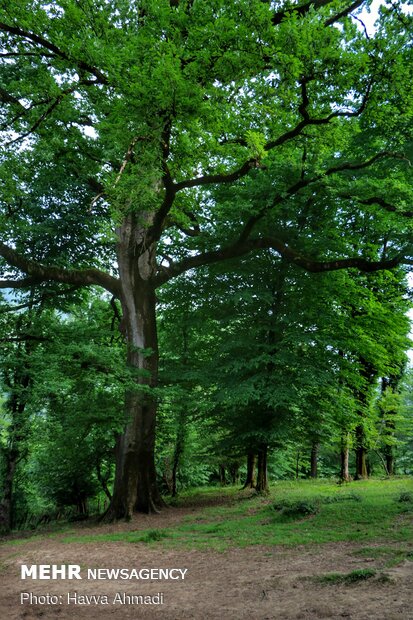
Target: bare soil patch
<point x="258" y="583"/>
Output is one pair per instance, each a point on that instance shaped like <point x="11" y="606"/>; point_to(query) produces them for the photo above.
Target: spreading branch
<point x="44" y="43"/>
<point x="303" y="9"/>
<point x="349" y="9"/>
<point x="5" y="97"/>
<point x="377" y="200"/>
<point x="51" y="102"/>
<point x="244" y="244"/>
<point x="291" y="255"/>
<point x="304" y="182"/>
<point x="21" y="283"/>
<point x="41" y="273"/>
<point x="247" y="166"/>
<point x="33" y="302"/>
<point x="300" y="11"/>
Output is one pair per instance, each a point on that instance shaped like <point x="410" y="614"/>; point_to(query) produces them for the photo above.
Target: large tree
<point x="124" y="119"/>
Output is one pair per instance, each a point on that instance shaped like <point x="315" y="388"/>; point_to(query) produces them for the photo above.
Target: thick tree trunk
<point x="6" y="513"/>
<point x="250" y="479"/>
<point x="135" y="479"/>
<point x="314" y="460"/>
<point x="262" y="477"/>
<point x="14" y="451"/>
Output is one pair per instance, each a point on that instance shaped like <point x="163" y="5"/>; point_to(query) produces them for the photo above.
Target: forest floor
<point x="237" y="567"/>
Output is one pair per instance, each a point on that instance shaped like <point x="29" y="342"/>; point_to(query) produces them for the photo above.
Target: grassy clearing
<point x="295" y="513"/>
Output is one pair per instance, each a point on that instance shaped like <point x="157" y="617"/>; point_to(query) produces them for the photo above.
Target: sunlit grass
<point x="361" y="512"/>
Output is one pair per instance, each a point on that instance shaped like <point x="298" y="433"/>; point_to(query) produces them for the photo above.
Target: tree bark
<point x="314" y="460"/>
<point x="361" y="455"/>
<point x="368" y="373"/>
<point x="262" y="476"/>
<point x="297" y="465"/>
<point x="250" y="479"/>
<point x="391" y="383"/>
<point x="135" y="485"/>
<point x="14" y="451"/>
<point x="6" y="513"/>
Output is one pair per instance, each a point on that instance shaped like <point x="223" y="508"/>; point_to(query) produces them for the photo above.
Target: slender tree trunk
<point x="174" y="490"/>
<point x="344" y="458"/>
<point x="250" y="480"/>
<point x="103" y="481"/>
<point x="179" y="449"/>
<point x="389" y="456"/>
<point x="181" y="433"/>
<point x="234" y="472"/>
<point x="390" y="383"/>
<point x="368" y="373"/>
<point x="135" y="485"/>
<point x="262" y="477"/>
<point x="361" y="455"/>
<point x="314" y="460"/>
<point x="222" y="477"/>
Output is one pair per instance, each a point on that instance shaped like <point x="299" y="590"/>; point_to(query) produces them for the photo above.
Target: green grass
<point x="388" y="556"/>
<point x="365" y="511"/>
<point x="346" y="578"/>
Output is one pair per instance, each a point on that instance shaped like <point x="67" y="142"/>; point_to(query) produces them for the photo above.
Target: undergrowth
<point x="295" y="513"/>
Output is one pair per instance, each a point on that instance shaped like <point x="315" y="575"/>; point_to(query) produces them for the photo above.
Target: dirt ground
<point x="258" y="583"/>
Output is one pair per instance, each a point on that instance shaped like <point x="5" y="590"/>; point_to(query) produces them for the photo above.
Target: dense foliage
<point x="235" y="175"/>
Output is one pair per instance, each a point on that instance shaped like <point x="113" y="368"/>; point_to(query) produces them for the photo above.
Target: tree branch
<point x="53" y="101"/>
<point x="376" y="200"/>
<point x="251" y="163"/>
<point x="293" y="256"/>
<point x="34" y="38"/>
<point x="305" y="182"/>
<point x="41" y="273"/>
<point x="303" y="9"/>
<point x="33" y="302"/>
<point x="22" y="283"/>
<point x="332" y="20"/>
<point x="5" y="97"/>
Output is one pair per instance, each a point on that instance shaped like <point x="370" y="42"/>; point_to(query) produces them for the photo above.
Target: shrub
<point x="296" y="510"/>
<point x="405" y="497"/>
<point x="347" y="578"/>
<point x="345" y="497"/>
